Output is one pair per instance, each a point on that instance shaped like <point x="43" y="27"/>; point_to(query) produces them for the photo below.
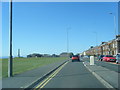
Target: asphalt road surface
<point x="108" y="65"/>
<point x="73" y="75"/>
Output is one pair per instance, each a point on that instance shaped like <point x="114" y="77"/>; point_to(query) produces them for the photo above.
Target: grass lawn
<point x="24" y="64"/>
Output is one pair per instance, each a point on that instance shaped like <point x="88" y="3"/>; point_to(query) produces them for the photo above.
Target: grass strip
<point x="24" y="64"/>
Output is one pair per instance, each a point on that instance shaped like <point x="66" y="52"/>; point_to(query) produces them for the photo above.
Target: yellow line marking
<point x="43" y="83"/>
<point x="52" y="76"/>
<point x="48" y="80"/>
<point x="45" y="80"/>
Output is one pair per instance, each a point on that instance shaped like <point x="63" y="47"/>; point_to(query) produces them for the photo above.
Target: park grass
<point x="24" y="64"/>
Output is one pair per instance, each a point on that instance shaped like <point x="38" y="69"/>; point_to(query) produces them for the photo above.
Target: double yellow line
<point x="43" y="83"/>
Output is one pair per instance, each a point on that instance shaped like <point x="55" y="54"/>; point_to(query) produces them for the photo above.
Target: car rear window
<point x="118" y="55"/>
<point x="102" y="56"/>
<point x="75" y="56"/>
<point x="109" y="56"/>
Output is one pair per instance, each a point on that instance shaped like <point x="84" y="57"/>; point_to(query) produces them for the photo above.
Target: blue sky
<point x="41" y="27"/>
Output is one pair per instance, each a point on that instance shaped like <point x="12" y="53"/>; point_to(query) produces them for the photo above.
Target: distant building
<point x="18" y="52"/>
<point x="54" y="55"/>
<point x="46" y="55"/>
<point x="84" y="53"/>
<point x="64" y="54"/>
<point x="105" y="48"/>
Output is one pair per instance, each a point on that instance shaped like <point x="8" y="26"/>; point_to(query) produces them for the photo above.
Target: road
<point x="108" y="65"/>
<point x="72" y="75"/>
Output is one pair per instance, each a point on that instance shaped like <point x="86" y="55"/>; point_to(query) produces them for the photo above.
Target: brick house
<point x="106" y="48"/>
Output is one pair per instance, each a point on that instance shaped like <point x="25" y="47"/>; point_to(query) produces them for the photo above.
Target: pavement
<point x="106" y="76"/>
<point x="28" y="78"/>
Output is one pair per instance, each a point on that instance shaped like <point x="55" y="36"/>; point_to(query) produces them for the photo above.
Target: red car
<point x="75" y="58"/>
<point x="109" y="58"/>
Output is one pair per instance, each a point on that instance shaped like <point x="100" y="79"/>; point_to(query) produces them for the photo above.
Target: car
<point x="109" y="58"/>
<point x="75" y="58"/>
<point x="101" y="57"/>
<point x="85" y="56"/>
<point x="117" y="58"/>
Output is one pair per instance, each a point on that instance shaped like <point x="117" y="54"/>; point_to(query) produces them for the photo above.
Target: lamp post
<point x="96" y="38"/>
<point x="115" y="30"/>
<point x="68" y="41"/>
<point x="96" y="50"/>
<point x="10" y="52"/>
<point x="114" y="23"/>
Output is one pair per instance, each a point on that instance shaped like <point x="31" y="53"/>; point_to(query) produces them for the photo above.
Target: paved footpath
<point x="25" y="79"/>
<point x="106" y="76"/>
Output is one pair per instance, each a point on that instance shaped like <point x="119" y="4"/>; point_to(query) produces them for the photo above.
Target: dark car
<point x="75" y="58"/>
<point x="101" y="57"/>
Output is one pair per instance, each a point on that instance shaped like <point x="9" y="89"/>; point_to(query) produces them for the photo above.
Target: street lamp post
<point x="68" y="42"/>
<point x="96" y="38"/>
<point x="114" y="23"/>
<point x="96" y="42"/>
<point x="10" y="33"/>
<point x="115" y="30"/>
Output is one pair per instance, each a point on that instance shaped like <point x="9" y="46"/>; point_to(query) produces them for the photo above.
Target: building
<point x="105" y="48"/>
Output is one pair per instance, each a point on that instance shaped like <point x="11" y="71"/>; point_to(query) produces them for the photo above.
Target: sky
<point x="41" y="27"/>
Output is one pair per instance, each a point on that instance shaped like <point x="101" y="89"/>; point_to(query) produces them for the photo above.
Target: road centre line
<point x="43" y="83"/>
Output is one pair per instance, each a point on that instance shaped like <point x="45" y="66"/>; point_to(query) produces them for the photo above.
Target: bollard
<point x="91" y="60"/>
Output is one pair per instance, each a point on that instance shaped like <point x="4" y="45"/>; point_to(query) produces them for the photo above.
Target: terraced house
<point x="105" y="48"/>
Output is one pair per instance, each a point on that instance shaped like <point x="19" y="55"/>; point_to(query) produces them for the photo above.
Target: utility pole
<point x="10" y="34"/>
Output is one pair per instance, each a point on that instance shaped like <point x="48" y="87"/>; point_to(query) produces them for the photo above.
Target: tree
<point x="35" y="55"/>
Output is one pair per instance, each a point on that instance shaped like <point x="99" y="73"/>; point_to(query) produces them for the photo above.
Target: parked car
<point x="75" y="58"/>
<point x="117" y="58"/>
<point x="85" y="56"/>
<point x="109" y="58"/>
<point x="100" y="57"/>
